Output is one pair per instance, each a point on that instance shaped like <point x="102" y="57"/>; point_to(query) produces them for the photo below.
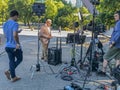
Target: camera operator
<point x="114" y="46"/>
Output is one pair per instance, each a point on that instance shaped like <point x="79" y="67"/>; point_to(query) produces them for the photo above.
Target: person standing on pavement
<point x="12" y="46"/>
<point x="114" y="45"/>
<point x="45" y="36"/>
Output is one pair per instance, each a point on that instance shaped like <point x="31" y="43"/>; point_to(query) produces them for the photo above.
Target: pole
<point x="38" y="59"/>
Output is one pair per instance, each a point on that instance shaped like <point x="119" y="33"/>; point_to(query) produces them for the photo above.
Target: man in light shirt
<point x="45" y="36"/>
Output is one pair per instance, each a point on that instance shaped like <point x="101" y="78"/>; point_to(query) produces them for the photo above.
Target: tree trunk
<point x="30" y="27"/>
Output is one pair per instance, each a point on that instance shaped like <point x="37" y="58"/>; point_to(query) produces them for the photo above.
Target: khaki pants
<point x="45" y="51"/>
<point x="112" y="53"/>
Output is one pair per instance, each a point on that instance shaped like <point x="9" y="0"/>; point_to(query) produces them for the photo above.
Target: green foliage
<point x="66" y="16"/>
<point x="3" y="9"/>
<point x="59" y="11"/>
<point x="51" y="9"/>
<point x="107" y="8"/>
<point x="24" y="8"/>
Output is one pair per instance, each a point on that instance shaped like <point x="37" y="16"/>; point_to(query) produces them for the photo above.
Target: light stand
<point x="73" y="61"/>
<point x="81" y="36"/>
<point x="37" y="66"/>
<point x="38" y="9"/>
<point x="38" y="59"/>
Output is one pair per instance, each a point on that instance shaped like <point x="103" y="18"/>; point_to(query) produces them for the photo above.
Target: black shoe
<point x="101" y="73"/>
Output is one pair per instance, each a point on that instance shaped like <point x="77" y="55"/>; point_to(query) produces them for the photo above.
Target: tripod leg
<point x="61" y="69"/>
<point x="51" y="69"/>
<point x="33" y="71"/>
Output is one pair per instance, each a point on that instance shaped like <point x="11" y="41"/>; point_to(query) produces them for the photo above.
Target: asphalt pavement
<point x="46" y="78"/>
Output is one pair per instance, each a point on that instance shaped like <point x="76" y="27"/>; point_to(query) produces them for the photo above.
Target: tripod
<point x="37" y="66"/>
<point x="91" y="53"/>
<point x="68" y="70"/>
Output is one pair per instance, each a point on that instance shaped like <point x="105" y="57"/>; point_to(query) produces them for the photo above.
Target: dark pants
<point x="15" y="58"/>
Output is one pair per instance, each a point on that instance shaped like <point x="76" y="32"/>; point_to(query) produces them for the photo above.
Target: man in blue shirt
<point x="12" y="46"/>
<point x="114" y="45"/>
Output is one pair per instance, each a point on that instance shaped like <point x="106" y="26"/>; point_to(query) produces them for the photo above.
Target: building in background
<point x="86" y="3"/>
<point x="79" y="3"/>
<point x="72" y="2"/>
<point x="75" y="3"/>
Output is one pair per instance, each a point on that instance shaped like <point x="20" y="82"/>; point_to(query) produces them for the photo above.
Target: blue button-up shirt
<point x="115" y="37"/>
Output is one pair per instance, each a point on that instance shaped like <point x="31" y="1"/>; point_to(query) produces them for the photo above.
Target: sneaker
<point x="7" y="73"/>
<point x="101" y="73"/>
<point x="15" y="79"/>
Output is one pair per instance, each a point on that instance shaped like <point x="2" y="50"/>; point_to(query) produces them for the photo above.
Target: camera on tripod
<point x="98" y="27"/>
<point x="95" y="2"/>
<point x="38" y="8"/>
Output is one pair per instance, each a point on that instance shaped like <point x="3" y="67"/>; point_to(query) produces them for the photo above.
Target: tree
<point x="107" y="9"/>
<point x="3" y="9"/>
<point x="66" y="16"/>
<point x="25" y="9"/>
<point x="51" y="9"/>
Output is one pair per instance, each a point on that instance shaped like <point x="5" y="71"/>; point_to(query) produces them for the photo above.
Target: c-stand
<point x="91" y="53"/>
<point x="81" y="37"/>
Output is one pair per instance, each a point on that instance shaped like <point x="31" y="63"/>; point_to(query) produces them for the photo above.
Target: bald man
<point x="45" y="36"/>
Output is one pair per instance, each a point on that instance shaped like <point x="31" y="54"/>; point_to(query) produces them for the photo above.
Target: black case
<point x="55" y="54"/>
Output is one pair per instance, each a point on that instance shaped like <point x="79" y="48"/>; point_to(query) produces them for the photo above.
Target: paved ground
<point x="45" y="79"/>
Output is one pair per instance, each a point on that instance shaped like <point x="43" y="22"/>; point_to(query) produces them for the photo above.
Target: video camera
<point x="98" y="28"/>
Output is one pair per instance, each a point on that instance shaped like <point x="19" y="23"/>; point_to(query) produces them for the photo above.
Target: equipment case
<point x="55" y="54"/>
